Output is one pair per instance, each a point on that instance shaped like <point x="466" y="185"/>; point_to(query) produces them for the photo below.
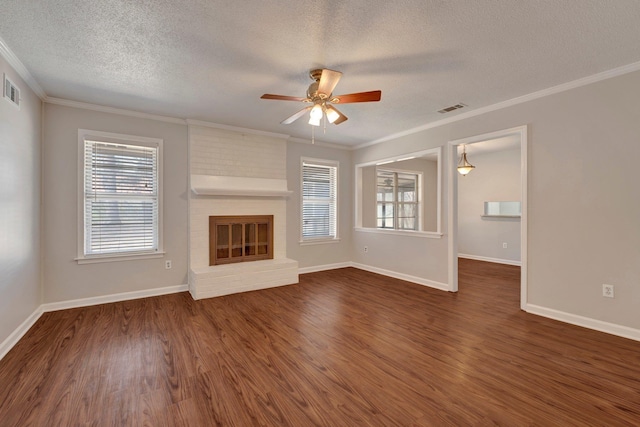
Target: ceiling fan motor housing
<point x="312" y="92"/>
<point x="315" y="74"/>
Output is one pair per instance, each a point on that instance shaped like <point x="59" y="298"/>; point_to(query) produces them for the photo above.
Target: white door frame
<point x="452" y="215"/>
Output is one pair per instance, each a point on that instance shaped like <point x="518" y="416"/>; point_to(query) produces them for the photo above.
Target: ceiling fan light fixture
<point x="316" y="112"/>
<point x="332" y="114"/>
<point x="464" y="167"/>
<point x="314" y="121"/>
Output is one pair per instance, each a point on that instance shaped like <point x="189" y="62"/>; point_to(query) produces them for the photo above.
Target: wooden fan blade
<point x="328" y="81"/>
<point x="341" y="117"/>
<point x="372" y="96"/>
<point x="295" y="117"/>
<point x="281" y="97"/>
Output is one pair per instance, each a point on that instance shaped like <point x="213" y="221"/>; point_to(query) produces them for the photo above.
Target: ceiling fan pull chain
<point x="324" y="123"/>
<point x="313" y="138"/>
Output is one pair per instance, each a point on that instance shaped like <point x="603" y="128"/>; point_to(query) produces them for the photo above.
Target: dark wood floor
<point x="342" y="348"/>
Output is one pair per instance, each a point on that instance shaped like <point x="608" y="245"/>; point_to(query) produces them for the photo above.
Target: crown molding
<point x="605" y="75"/>
<point x="112" y="110"/>
<point x="22" y="71"/>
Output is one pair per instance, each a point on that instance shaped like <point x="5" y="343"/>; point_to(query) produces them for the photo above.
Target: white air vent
<point x="11" y="92"/>
<point x="452" y="108"/>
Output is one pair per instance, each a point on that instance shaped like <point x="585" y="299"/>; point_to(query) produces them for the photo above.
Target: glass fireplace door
<point x="240" y="238"/>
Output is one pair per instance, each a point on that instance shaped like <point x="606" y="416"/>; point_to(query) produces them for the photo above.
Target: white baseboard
<point x="13" y="339"/>
<point x="324" y="267"/>
<point x="86" y="302"/>
<point x="402" y="276"/>
<point x="487" y="259"/>
<point x="585" y="322"/>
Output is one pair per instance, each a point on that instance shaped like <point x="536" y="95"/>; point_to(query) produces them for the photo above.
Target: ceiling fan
<point x="320" y="95"/>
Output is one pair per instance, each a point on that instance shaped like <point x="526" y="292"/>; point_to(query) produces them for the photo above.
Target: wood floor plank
<point x="342" y="348"/>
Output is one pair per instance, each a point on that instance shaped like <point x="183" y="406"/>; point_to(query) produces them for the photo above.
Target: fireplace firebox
<point x="240" y="238"/>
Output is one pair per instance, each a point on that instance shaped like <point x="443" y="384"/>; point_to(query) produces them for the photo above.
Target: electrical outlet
<point x="366" y="249"/>
<point x="504" y="245"/>
<point x="607" y="291"/>
<point x="167" y="264"/>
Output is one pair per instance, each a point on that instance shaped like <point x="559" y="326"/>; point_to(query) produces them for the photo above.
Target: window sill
<point x="319" y="241"/>
<point x="424" y="234"/>
<point x="117" y="257"/>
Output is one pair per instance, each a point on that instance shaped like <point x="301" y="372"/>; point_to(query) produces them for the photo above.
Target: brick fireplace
<point x="236" y="174"/>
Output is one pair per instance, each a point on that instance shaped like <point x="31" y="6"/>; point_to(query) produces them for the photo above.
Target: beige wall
<point x="20" y="234"/>
<point x="430" y="195"/>
<point x="582" y="195"/>
<point x="64" y="279"/>
<point x="369" y="196"/>
<point x="496" y="178"/>
<point x="309" y="256"/>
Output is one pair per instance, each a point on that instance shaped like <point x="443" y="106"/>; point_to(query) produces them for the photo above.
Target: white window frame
<point x="396" y="203"/>
<point x="323" y="163"/>
<point x="115" y="138"/>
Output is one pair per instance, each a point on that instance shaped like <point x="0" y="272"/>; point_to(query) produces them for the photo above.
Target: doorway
<point x="520" y="134"/>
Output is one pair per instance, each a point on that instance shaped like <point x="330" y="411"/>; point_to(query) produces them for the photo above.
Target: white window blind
<point x="120" y="198"/>
<point x="319" y="200"/>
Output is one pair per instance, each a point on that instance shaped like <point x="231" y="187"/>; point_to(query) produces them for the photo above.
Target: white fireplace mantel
<point x="212" y="185"/>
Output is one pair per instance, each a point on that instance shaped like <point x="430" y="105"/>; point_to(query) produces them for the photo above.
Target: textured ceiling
<point x="211" y="60"/>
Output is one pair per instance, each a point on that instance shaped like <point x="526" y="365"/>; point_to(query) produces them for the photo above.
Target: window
<point x="400" y="195"/>
<point x="397" y="200"/>
<point x="120" y="192"/>
<point x="319" y="200"/>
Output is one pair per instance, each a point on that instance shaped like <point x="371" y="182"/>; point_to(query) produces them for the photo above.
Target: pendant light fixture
<point x="464" y="167"/>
